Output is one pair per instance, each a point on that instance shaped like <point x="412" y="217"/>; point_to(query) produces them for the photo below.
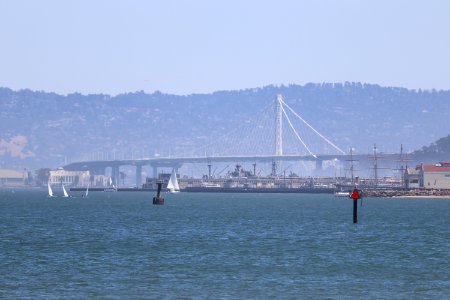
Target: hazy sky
<point x="196" y="46"/>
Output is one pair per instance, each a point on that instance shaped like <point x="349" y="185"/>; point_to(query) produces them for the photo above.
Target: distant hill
<point x="40" y="129"/>
<point x="441" y="146"/>
<point x="436" y="151"/>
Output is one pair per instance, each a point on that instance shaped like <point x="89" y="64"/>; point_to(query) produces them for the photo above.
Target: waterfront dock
<point x="412" y="193"/>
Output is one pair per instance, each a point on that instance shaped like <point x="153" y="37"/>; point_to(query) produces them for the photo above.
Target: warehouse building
<point x="13" y="178"/>
<point x="435" y="176"/>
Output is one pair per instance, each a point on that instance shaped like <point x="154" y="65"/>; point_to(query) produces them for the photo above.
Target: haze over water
<point x="86" y="80"/>
<point x="116" y="245"/>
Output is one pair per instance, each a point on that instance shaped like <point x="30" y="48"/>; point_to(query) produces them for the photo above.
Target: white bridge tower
<point x="279" y="131"/>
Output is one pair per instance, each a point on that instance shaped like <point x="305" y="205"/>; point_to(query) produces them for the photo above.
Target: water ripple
<point x="222" y="246"/>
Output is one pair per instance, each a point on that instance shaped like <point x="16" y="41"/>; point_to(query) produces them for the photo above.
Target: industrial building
<point x="412" y="177"/>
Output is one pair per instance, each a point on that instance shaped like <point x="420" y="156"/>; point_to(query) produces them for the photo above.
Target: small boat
<point x="50" y="191"/>
<point x="172" y="185"/>
<point x="111" y="187"/>
<point x="342" y="194"/>
<point x="210" y="185"/>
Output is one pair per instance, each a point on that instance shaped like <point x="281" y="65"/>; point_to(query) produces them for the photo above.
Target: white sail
<point x="172" y="185"/>
<point x="87" y="190"/>
<point x="175" y="183"/>
<point x="50" y="192"/>
<point x="111" y="187"/>
<point x="65" y="192"/>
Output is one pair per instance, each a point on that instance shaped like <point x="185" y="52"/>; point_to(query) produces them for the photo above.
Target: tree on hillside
<point x="441" y="146"/>
<point x="42" y="176"/>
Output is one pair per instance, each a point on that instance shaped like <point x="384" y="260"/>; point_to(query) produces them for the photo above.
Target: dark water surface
<point x="119" y="245"/>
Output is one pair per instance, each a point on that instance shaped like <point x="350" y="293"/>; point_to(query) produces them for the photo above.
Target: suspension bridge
<point x="276" y="134"/>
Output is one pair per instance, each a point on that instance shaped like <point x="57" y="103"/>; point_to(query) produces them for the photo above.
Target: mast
<point x="209" y="170"/>
<point x="401" y="164"/>
<point x="375" y="165"/>
<point x="403" y="161"/>
<point x="351" y="165"/>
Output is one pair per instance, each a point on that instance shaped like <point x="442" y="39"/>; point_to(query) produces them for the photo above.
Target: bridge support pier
<point x="155" y="173"/>
<point x="319" y="165"/>
<point x="115" y="175"/>
<point x="139" y="176"/>
<point x="342" y="166"/>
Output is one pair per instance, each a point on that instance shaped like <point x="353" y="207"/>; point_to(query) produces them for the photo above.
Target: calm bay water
<point x="119" y="245"/>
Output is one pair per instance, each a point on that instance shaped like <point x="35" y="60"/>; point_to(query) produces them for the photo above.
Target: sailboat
<point x="111" y="187"/>
<point x="87" y="191"/>
<point x="172" y="185"/>
<point x="65" y="192"/>
<point x="50" y="191"/>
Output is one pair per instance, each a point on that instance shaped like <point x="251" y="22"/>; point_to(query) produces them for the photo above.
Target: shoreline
<point x="424" y="197"/>
<point x="406" y="193"/>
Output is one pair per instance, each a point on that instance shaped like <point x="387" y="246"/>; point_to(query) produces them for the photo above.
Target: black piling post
<point x="158" y="193"/>
<point x="158" y="200"/>
<point x="355" y="196"/>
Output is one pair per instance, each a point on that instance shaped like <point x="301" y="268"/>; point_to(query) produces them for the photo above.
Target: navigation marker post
<point x="158" y="200"/>
<point x="355" y="196"/>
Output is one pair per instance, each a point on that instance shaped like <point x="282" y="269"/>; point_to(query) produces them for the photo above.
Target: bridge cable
<point x="318" y="133"/>
<point x="229" y="136"/>
<point x="296" y="133"/>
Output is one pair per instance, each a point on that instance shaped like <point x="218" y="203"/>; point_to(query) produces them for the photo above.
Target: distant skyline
<point x="184" y="47"/>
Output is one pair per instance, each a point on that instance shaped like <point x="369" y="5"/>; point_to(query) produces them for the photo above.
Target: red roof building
<point x="436" y="168"/>
<point x="435" y="176"/>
